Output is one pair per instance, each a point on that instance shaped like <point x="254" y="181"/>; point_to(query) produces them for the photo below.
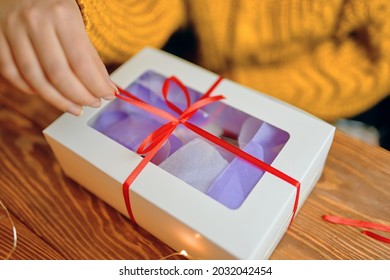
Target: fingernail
<point x="109" y="97"/>
<point x="116" y="91"/>
<point x="114" y="87"/>
<point x="75" y="110"/>
<point x="96" y="104"/>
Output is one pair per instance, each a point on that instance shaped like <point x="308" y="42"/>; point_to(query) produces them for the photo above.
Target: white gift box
<point x="176" y="213"/>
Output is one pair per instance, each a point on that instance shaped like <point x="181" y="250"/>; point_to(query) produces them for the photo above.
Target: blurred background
<point x="372" y="126"/>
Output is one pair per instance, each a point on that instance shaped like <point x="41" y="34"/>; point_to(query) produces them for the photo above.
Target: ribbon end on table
<point x="376" y="236"/>
<point x="363" y="224"/>
<point x="334" y="219"/>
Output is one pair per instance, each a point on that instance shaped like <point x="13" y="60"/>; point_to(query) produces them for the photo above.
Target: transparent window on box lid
<point x="202" y="164"/>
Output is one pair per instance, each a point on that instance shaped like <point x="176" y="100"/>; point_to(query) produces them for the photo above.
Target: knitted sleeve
<point x="339" y="77"/>
<point x="120" y="28"/>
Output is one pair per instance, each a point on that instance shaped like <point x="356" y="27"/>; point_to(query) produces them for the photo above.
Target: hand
<point x="44" y="50"/>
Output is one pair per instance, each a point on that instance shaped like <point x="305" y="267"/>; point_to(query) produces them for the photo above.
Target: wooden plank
<point x="31" y="107"/>
<point x="62" y="213"/>
<point x="28" y="246"/>
<point x="355" y="184"/>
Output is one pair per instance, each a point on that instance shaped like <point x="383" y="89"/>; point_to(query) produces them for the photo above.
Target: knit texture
<point x="121" y="28"/>
<point x="328" y="57"/>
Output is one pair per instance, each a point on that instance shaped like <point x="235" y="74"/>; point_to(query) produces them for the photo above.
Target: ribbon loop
<point x="165" y="92"/>
<point x="191" y="110"/>
<point x="151" y="141"/>
<point x="134" y="100"/>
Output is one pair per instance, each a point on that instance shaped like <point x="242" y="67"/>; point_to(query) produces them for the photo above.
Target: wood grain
<point x="355" y="184"/>
<point x="58" y="219"/>
<point x="57" y="210"/>
<point x="28" y="245"/>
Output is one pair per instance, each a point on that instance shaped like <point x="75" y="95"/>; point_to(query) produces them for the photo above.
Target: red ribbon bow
<point x="151" y="144"/>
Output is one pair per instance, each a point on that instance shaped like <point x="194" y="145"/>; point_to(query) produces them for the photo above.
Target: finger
<point x="30" y="69"/>
<point x="103" y="69"/>
<point x="8" y="68"/>
<point x="56" y="68"/>
<point x="83" y="60"/>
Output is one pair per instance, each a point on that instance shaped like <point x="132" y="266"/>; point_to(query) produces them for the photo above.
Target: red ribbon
<point x="151" y="144"/>
<point x="363" y="224"/>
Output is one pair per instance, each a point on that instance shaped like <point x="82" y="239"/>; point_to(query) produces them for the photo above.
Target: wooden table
<point x="56" y="218"/>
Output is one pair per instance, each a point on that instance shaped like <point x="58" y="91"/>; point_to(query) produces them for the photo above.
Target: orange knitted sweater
<point x="328" y="57"/>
